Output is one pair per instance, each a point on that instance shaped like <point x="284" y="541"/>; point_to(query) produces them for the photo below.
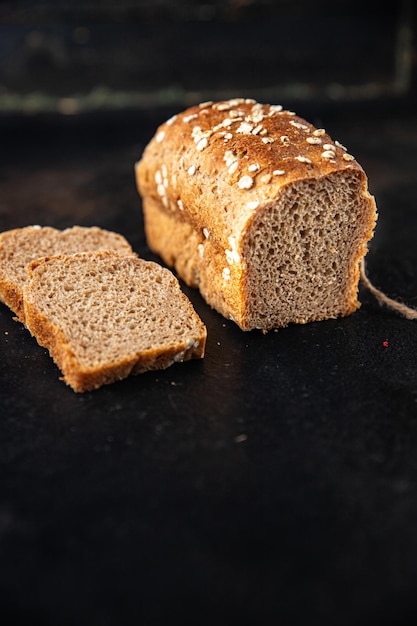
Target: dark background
<point x="276" y="480"/>
<point x="81" y="55"/>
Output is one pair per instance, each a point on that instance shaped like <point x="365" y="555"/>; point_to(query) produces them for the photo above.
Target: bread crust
<point x="214" y="173"/>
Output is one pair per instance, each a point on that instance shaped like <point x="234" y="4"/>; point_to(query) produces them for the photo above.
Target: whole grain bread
<point x="21" y="246"/>
<point x="262" y="211"/>
<point x="104" y="315"/>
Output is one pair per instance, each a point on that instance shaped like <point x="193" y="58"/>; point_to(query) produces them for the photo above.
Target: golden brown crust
<point x="212" y="170"/>
<point x="209" y="152"/>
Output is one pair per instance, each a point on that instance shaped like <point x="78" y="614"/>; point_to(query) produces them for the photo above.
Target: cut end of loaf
<point x="104" y="316"/>
<point x="305" y="251"/>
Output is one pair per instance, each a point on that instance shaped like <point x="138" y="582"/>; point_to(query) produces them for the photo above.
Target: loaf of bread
<point x="104" y="315"/>
<point x="262" y="211"/>
<point x="20" y="246"/>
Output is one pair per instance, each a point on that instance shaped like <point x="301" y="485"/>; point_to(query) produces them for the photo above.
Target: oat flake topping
<point x="245" y="182"/>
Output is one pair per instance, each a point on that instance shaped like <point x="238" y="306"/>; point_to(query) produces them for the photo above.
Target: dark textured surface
<point x="273" y="482"/>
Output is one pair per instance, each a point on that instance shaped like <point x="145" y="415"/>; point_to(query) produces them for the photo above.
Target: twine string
<point x="404" y="310"/>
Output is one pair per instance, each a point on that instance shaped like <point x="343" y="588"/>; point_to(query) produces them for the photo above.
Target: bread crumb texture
<point x="21" y="246"/>
<point x="104" y="315"/>
<point x="263" y="212"/>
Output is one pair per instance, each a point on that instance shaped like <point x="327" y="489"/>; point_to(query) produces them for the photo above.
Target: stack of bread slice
<point x="101" y="311"/>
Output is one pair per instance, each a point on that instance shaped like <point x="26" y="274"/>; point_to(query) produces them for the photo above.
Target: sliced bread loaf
<point x="104" y="315"/>
<point x="21" y="246"/>
<point x="262" y="211"/>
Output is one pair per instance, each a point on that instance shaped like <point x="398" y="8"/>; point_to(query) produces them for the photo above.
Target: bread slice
<point x="263" y="212"/>
<point x="20" y="246"/>
<point x="104" y="315"/>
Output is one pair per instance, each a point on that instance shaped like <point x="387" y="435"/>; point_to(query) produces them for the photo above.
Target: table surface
<point x="275" y="481"/>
